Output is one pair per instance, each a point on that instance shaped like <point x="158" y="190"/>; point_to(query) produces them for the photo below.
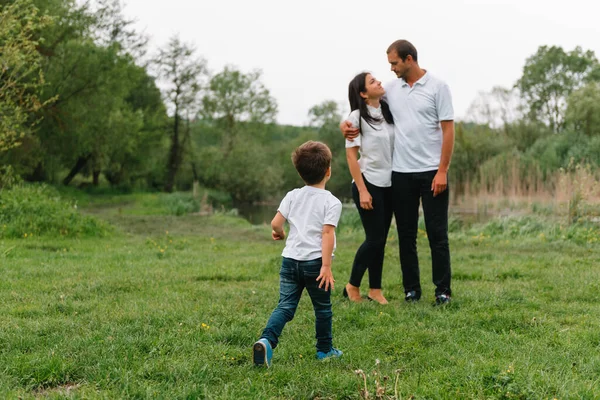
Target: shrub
<point x="529" y="227"/>
<point x="39" y="210"/>
<point x="7" y="177"/>
<point x="217" y="199"/>
<point x="515" y="227"/>
<point x="180" y="203"/>
<point x="247" y="173"/>
<point x="350" y="220"/>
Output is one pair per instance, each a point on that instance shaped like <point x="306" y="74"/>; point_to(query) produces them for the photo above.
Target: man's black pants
<point x="408" y="190"/>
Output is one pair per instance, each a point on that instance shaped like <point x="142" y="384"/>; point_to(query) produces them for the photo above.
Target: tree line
<point x="81" y="96"/>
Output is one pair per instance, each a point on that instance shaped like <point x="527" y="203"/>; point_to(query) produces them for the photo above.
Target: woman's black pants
<point x="376" y="223"/>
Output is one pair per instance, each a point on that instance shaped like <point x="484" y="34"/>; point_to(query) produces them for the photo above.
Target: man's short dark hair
<point x="312" y="159"/>
<point x="403" y="48"/>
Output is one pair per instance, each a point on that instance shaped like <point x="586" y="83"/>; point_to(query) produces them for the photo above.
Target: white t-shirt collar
<point x="422" y="81"/>
<point x="373" y="109"/>
<point x="315" y="189"/>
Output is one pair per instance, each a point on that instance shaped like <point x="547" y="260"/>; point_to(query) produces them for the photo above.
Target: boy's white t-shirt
<point x="307" y="210"/>
<point x="376" y="144"/>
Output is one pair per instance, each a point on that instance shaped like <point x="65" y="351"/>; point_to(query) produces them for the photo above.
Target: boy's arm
<point x="277" y="225"/>
<point x="325" y="278"/>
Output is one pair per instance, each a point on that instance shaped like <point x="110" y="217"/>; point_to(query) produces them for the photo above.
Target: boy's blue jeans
<point x="293" y="278"/>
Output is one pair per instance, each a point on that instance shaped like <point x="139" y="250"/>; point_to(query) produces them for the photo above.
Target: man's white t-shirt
<point x="376" y="142"/>
<point x="417" y="113"/>
<point x="307" y="210"/>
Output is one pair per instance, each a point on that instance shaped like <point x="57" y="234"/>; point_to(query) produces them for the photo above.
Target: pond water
<point x="258" y="214"/>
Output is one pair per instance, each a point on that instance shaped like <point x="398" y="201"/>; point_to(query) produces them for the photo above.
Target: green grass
<point x="168" y="307"/>
<point x="103" y="200"/>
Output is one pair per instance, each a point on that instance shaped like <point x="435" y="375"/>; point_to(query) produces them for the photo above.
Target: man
<point x="423" y="115"/>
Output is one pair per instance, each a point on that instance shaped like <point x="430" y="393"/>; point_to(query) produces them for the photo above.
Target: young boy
<point x="313" y="214"/>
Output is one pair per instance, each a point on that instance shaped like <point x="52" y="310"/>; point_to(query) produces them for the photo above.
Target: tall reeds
<point x="519" y="185"/>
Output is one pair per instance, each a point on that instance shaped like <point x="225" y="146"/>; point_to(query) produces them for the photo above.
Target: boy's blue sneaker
<point x="333" y="353"/>
<point x="263" y="352"/>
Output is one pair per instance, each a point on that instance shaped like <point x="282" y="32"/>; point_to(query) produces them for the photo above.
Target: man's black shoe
<point x="442" y="299"/>
<point x="412" y="296"/>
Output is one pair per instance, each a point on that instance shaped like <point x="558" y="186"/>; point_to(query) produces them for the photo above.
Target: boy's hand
<point x="325" y="278"/>
<point x="278" y="236"/>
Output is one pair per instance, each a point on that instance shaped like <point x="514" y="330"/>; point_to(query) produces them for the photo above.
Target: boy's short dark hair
<point x="312" y="159"/>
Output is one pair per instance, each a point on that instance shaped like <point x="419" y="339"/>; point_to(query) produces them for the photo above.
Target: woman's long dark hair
<point x="357" y="102"/>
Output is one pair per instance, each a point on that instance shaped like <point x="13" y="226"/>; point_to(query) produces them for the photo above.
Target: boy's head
<point x="312" y="161"/>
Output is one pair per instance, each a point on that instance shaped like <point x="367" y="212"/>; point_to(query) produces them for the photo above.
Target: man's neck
<point x="414" y="75"/>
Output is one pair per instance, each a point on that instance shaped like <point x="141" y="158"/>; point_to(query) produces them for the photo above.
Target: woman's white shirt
<point x="376" y="145"/>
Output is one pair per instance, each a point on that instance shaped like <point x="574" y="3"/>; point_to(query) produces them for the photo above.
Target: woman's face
<point x="373" y="88"/>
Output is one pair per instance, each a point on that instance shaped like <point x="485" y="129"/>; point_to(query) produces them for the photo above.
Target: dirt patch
<point x="64" y="389"/>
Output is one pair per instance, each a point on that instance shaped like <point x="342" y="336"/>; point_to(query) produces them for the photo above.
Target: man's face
<point x="398" y="66"/>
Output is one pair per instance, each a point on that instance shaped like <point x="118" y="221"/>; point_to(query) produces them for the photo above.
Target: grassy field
<point x="168" y="307"/>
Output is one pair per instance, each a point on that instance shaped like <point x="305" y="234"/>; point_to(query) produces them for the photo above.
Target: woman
<point x="372" y="180"/>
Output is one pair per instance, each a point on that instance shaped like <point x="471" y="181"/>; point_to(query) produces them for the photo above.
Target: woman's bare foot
<point x="377" y="295"/>
<point x="353" y="293"/>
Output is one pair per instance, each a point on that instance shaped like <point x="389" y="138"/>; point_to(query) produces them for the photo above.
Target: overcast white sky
<point x="309" y="50"/>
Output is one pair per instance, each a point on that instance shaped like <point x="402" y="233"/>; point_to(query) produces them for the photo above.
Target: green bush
<point x="564" y="149"/>
<point x="180" y="203"/>
<point x="216" y="199"/>
<point x="247" y="172"/>
<point x="7" y="177"/>
<point x="474" y="144"/>
<point x="515" y="227"/>
<point x="39" y="210"/>
<point x="530" y="227"/>
<point x="350" y="220"/>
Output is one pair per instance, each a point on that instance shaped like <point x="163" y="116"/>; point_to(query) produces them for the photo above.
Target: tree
<point x="182" y="73"/>
<point x="325" y="114"/>
<point x="21" y="79"/>
<point x="108" y="113"/>
<point x="110" y="26"/>
<point x="325" y="118"/>
<point x="497" y="108"/>
<point x="90" y="72"/>
<point x="21" y="76"/>
<point x="84" y="126"/>
<point x="583" y="109"/>
<point x="238" y="109"/>
<point x="550" y="76"/>
<point x="139" y="152"/>
<point x="233" y="97"/>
